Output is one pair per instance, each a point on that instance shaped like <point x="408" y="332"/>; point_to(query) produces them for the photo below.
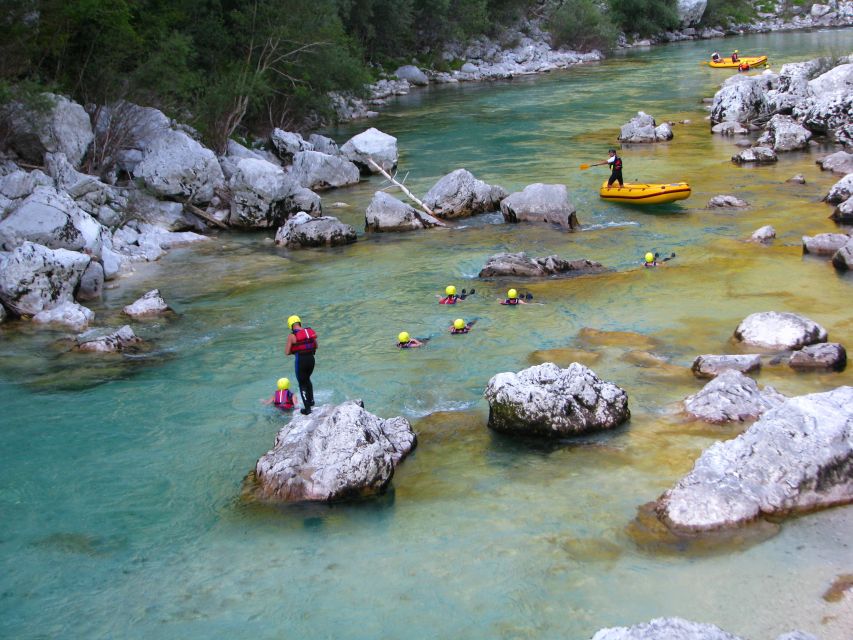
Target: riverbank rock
<point x="124" y="339"/>
<point x="34" y="278"/>
<point x="337" y="452"/>
<point x="779" y="330"/>
<point x="826" y="356"/>
<point x="541" y="203"/>
<point x="785" y="134"/>
<point x="843" y="258"/>
<point x="371" y="145"/>
<point x="841" y="190"/>
<point x="731" y="397"/>
<point x="796" y="458"/>
<point x="726" y="202"/>
<point x="62" y="127"/>
<point x="287" y="144"/>
<point x="315" y="170"/>
<point x="824" y="244"/>
<point x="763" y="235"/>
<point x="690" y="11"/>
<point x="174" y="165"/>
<point x="710" y="366"/>
<point x="150" y="304"/>
<point x="460" y="194"/>
<point x="387" y="213"/>
<point x="548" y="401"/>
<point x="96" y="198"/>
<point x="303" y="230"/>
<point x="839" y="162"/>
<point x="68" y="314"/>
<point x="665" y="629"/>
<point x="729" y="128"/>
<point x="642" y="128"/>
<point x="411" y="74"/>
<point x="324" y="144"/>
<point x="843" y="213"/>
<point x="142" y="242"/>
<point x="520" y="265"/>
<point x="259" y="195"/>
<point x="91" y="285"/>
<point x="830" y="100"/>
<point x="133" y="128"/>
<point x="742" y="99"/>
<point x="756" y="155"/>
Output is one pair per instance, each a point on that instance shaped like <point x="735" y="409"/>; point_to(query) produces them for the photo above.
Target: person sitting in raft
<point x="735" y="56"/>
<point x="744" y="66"/>
<point x="459" y="326"/>
<point x="615" y="163"/>
<point x="450" y="296"/>
<point x="283" y="397"/>
<point x="512" y="298"/>
<point x="405" y="341"/>
<point x="715" y="57"/>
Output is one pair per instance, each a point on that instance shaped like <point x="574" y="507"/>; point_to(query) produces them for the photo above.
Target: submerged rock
<point x="460" y="194"/>
<point x="123" y="339"/>
<point x="726" y="201"/>
<point x="779" y="330"/>
<point x="796" y="179"/>
<point x="824" y="244"/>
<point x="150" y="304"/>
<point x="731" y="397"/>
<point x="521" y="265"/>
<point x="67" y="314"/>
<point x="827" y="355"/>
<point x="763" y="235"/>
<point x="324" y="231"/>
<point x="541" y="203"/>
<point x="545" y="400"/>
<point x="336" y="452"/>
<point x="387" y="213"/>
<point x="729" y="128"/>
<point x="710" y="366"/>
<point x="758" y="155"/>
<point x="798" y="457"/>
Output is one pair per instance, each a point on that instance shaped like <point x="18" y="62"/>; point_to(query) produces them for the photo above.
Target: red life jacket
<point x="617" y="164"/>
<point x="283" y="399"/>
<point x="306" y="341"/>
<point x="448" y="300"/>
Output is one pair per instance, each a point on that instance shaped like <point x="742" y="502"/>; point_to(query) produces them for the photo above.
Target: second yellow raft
<point x="637" y="193"/>
<point x="726" y="63"/>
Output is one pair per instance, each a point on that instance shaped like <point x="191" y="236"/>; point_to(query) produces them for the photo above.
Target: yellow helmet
<point x="650" y="257"/>
<point x="512" y="294"/>
<point x="450" y="290"/>
<point x="459" y="323"/>
<point x="283" y="383"/>
<point x="292" y="320"/>
<point x="736" y="51"/>
<point x="403" y="337"/>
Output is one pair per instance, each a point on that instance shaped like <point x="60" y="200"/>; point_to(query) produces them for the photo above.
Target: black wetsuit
<point x="304" y="369"/>
<point x="616" y="172"/>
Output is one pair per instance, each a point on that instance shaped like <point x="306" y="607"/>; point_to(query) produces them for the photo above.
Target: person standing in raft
<point x="302" y="344"/>
<point x="405" y="341"/>
<point x="615" y="163"/>
<point x="512" y="298"/>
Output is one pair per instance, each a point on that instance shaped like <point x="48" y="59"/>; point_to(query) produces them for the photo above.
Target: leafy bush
<point x="726" y="12"/>
<point x="581" y="25"/>
<point x="645" y="17"/>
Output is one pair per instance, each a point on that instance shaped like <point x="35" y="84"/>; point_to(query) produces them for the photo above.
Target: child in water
<point x="405" y="341"/>
<point x="283" y="398"/>
<point x="459" y="326"/>
<point x="512" y="298"/>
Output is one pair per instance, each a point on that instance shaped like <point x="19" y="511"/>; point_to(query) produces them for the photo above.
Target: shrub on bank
<point x="582" y="25"/>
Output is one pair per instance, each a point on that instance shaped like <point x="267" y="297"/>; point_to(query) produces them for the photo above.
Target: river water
<point x="121" y="480"/>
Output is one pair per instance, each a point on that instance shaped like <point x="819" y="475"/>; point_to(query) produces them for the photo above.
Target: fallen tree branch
<point x="388" y="177"/>
<point x="204" y="216"/>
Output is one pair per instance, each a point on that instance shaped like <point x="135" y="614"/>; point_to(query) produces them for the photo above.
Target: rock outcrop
<point x="756" y="155"/>
<point x="460" y="194"/>
<point x="710" y="366"/>
<point x="642" y="128"/>
<point x="68" y="314"/>
<point x="124" y="339"/>
<point x="727" y="202"/>
<point x="742" y="99"/>
<point x="337" y="452"/>
<point x="548" y="401"/>
<point x="315" y="170"/>
<point x="824" y="244"/>
<point x="797" y="458"/>
<point x="371" y="145"/>
<point x="304" y="231"/>
<point x="731" y="397"/>
<point x="387" y="213"/>
<point x="827" y="356"/>
<point x="785" y="134"/>
<point x="541" y="203"/>
<point x="520" y="265"/>
<point x="176" y="166"/>
<point x="779" y="330"/>
<point x="838" y="162"/>
<point x="150" y="304"/>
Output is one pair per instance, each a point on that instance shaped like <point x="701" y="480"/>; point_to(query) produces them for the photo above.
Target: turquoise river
<point x="122" y="510"/>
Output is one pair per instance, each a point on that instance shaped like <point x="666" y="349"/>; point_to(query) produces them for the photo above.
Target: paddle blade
<point x="584" y="167"/>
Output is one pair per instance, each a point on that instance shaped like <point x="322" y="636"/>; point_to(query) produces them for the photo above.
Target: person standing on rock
<point x="615" y="163"/>
<point x="302" y="344"/>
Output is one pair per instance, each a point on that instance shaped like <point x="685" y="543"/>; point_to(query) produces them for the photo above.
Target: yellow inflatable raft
<point x="636" y="193"/>
<point x="726" y="63"/>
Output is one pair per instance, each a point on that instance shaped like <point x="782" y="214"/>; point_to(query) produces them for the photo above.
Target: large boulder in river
<point x="34" y="278"/>
<point x="779" y="330"/>
<point x="830" y="101"/>
<point x="843" y="213"/>
<point x="176" y="166"/>
<point x="785" y="134"/>
<point x="741" y="99"/>
<point x="731" y="397"/>
<point x="387" y="213"/>
<point x="823" y="356"/>
<point x="303" y="230"/>
<point x="541" y="203"/>
<point x="797" y="458"/>
<point x="63" y="126"/>
<point x="315" y="170"/>
<point x="841" y="190"/>
<point x="460" y="194"/>
<point x="838" y="162"/>
<point x="371" y="145"/>
<point x="150" y="304"/>
<point x="335" y="453"/>
<point x="690" y="11"/>
<point x="843" y="258"/>
<point x="665" y="629"/>
<point x="824" y="244"/>
<point x="548" y="401"/>
<point x="51" y="218"/>
<point x="520" y="265"/>
<point x="259" y="194"/>
<point x="412" y="74"/>
<point x="756" y="155"/>
<point x="710" y="366"/>
<point x="642" y="128"/>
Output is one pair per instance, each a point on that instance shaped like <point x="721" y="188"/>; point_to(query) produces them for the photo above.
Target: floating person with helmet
<point x="743" y="66"/>
<point x="405" y="341"/>
<point x="512" y="298"/>
<point x="302" y="344"/>
<point x="283" y="397"/>
<point x="615" y="163"/>
<point x="450" y="296"/>
<point x="460" y="326"/>
<point x="651" y="260"/>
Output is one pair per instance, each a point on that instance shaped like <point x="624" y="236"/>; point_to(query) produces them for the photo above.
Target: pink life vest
<point x="283" y="399"/>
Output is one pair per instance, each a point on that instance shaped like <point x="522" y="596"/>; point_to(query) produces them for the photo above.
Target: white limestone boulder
<point x="785" y="134"/>
<point x="315" y="170"/>
<point x="260" y="193"/>
<point x="460" y="194"/>
<point x="287" y="144"/>
<point x="371" y="145"/>
<point x="824" y="244"/>
<point x="755" y="155"/>
<point x="150" y="304"/>
<point x="68" y="314"/>
<point x="779" y="330"/>
<point x="710" y="365"/>
<point x="387" y="213"/>
<point x="841" y="190"/>
<point x="643" y="128"/>
<point x="412" y="74"/>
<point x="843" y="258"/>
<point x="690" y="11"/>
<point x="742" y="99"/>
<point x="123" y="339"/>
<point x="539" y="202"/>
<point x="763" y="235"/>
<point x="174" y="165"/>
<point x="665" y="629"/>
<point x="826" y="356"/>
<point x="727" y="202"/>
<point x="731" y="397"/>
<point x="302" y="231"/>
<point x="838" y="162"/>
<point x="520" y="265"/>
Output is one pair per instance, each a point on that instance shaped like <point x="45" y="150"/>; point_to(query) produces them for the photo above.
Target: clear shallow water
<point x="120" y="484"/>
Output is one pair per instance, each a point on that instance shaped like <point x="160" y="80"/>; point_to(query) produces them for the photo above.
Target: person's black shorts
<point x="616" y="176"/>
